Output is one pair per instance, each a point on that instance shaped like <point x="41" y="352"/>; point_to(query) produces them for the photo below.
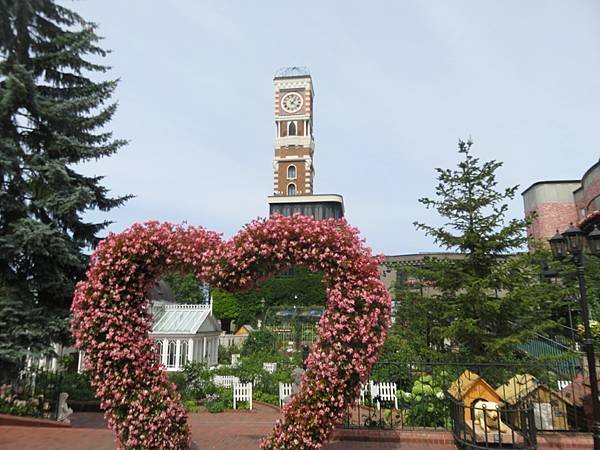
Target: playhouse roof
<point x="517" y="388"/>
<point x="521" y="386"/>
<point x="464" y="383"/>
<point x="244" y="330"/>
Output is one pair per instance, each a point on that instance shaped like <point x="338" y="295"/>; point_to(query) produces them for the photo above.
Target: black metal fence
<point x="32" y="393"/>
<point x="551" y="396"/>
<point x="481" y="426"/>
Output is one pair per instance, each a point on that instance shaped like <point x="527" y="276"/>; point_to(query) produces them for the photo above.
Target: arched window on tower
<point x="291" y="172"/>
<point x="292" y="129"/>
<point x="291" y="189"/>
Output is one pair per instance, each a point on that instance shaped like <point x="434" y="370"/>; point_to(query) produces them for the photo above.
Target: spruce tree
<point x="484" y="304"/>
<point x="52" y="117"/>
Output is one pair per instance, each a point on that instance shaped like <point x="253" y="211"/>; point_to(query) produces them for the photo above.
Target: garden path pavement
<point x="241" y="430"/>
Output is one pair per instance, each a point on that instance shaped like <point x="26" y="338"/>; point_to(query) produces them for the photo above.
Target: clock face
<point x="291" y="102"/>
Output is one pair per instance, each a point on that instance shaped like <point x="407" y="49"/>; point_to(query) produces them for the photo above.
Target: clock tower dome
<point x="293" y="167"/>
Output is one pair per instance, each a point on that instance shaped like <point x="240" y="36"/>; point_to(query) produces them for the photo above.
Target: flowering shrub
<point x="11" y="403"/>
<point x="426" y="404"/>
<point x="112" y="321"/>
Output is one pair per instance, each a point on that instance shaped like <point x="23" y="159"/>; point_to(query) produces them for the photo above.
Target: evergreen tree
<point x="52" y="117"/>
<point x="416" y="314"/>
<point x="186" y="288"/>
<point x="485" y="304"/>
<point x="225" y="305"/>
<point x="298" y="287"/>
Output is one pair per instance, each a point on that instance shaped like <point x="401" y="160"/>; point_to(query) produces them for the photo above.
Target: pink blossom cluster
<point x="351" y="332"/>
<point x="112" y="321"/>
<point x="111" y="324"/>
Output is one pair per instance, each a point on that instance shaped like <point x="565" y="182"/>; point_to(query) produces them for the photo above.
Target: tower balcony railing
<point x="304" y="141"/>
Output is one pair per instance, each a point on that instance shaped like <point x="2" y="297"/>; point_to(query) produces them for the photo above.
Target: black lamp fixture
<point x="558" y="244"/>
<point x="575" y="239"/>
<point x="593" y="241"/>
<point x="571" y="242"/>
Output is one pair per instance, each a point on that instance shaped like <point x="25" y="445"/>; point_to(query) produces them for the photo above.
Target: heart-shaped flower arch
<point x="112" y="321"/>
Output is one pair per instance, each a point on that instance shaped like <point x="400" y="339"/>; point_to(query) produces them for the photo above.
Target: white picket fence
<point x="363" y="393"/>
<point x="225" y="380"/>
<point x="285" y="391"/>
<point x="385" y="392"/>
<point x="270" y="367"/>
<point x="242" y="393"/>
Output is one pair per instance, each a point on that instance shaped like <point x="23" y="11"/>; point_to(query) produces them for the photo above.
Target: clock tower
<point x="294" y="142"/>
<point x="293" y="167"/>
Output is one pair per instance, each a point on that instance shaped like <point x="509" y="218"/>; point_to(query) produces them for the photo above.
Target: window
<point x="291" y="189"/>
<point x="159" y="349"/>
<point x="171" y="348"/>
<point x="292" y="129"/>
<point x="183" y="354"/>
<point x="291" y="172"/>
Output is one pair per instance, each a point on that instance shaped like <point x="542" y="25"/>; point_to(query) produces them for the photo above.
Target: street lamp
<point x="572" y="242"/>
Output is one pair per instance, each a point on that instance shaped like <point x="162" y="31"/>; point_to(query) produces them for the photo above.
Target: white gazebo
<point x="186" y="333"/>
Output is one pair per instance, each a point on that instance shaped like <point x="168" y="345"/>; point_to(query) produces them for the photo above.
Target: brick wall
<point x="590" y="192"/>
<point x="550" y="217"/>
<point x="283" y="181"/>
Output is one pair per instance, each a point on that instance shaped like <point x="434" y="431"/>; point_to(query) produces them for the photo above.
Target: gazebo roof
<point x="183" y="319"/>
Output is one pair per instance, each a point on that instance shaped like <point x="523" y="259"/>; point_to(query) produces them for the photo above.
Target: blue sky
<point x="397" y="84"/>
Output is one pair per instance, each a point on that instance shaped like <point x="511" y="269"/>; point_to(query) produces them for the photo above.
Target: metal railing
<point x="479" y="427"/>
<point x="42" y="386"/>
<point x="558" y="396"/>
<point x="304" y="334"/>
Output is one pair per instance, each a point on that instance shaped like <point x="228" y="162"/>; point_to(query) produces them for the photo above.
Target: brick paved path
<point x="240" y="430"/>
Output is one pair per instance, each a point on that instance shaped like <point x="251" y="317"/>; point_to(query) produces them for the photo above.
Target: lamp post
<point x="572" y="242"/>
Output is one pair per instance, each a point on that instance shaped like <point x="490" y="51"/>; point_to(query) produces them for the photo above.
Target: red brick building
<point x="558" y="203"/>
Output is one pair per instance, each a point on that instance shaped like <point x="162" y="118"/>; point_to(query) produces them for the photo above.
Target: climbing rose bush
<point x="112" y="321"/>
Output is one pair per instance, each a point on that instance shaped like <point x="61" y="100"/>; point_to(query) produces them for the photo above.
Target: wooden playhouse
<point x="549" y="407"/>
<point x="468" y="388"/>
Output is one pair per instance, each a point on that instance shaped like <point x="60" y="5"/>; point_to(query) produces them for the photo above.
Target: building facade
<point x="558" y="203"/>
<point x="294" y="140"/>
<point x="185" y="333"/>
<point x="293" y="163"/>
